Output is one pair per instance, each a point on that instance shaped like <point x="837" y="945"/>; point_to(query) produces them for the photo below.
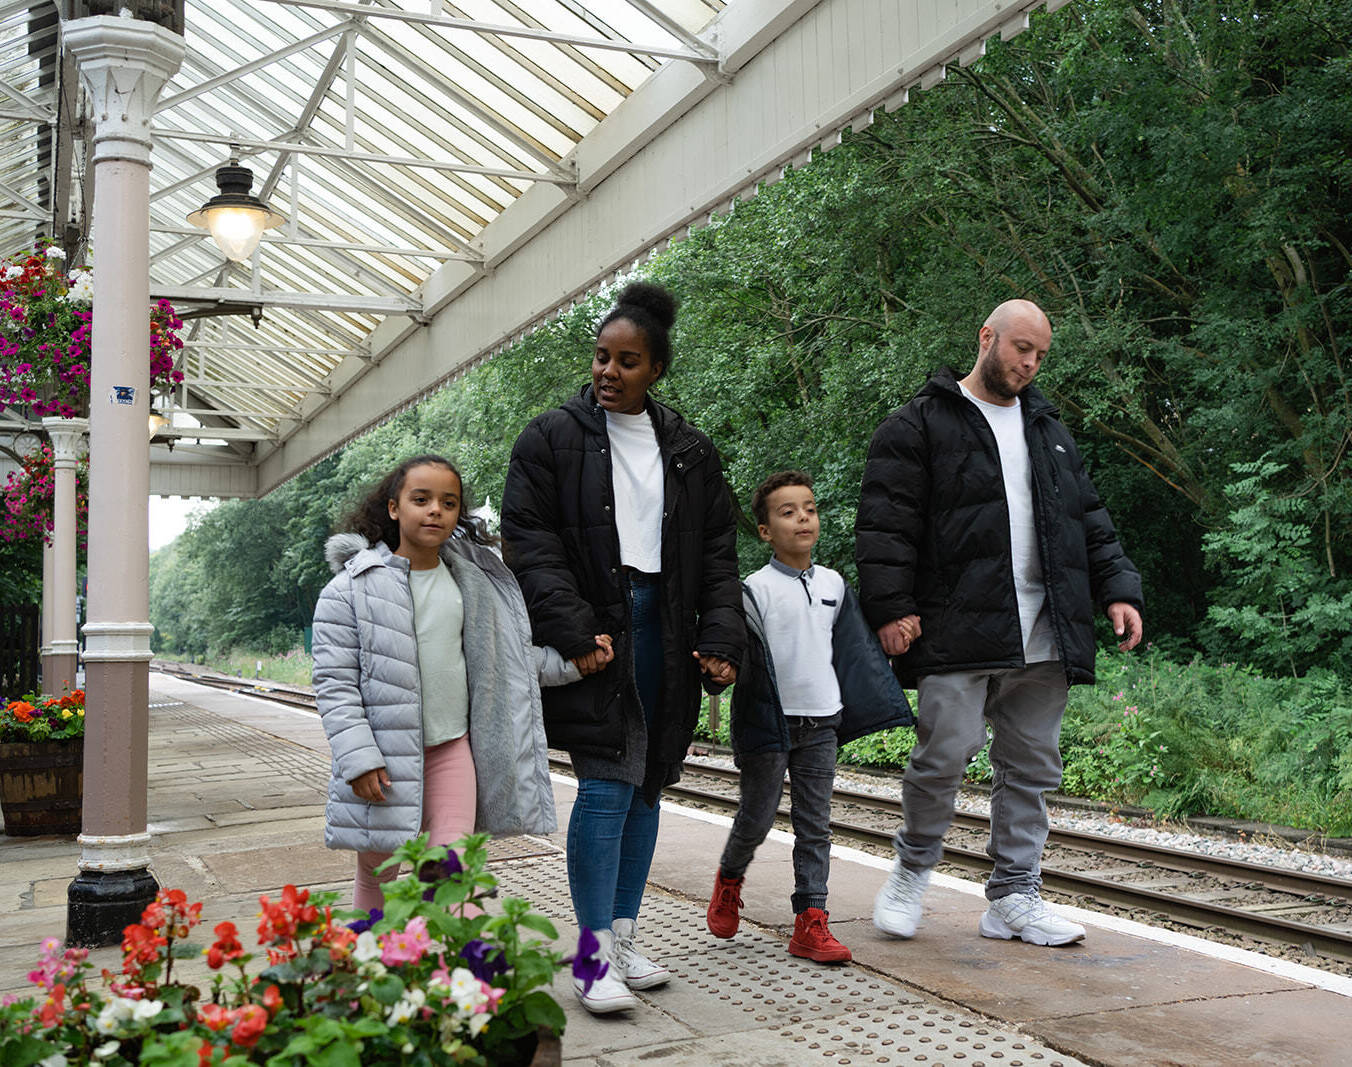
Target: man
<point x="982" y="548"/>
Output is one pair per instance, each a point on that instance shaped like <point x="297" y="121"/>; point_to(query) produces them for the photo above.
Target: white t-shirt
<point x="439" y="626"/>
<point x="799" y="609"/>
<point x="636" y="475"/>
<point x="1006" y="424"/>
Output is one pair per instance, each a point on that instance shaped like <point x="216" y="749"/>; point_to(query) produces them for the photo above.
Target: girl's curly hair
<point x="371" y="517"/>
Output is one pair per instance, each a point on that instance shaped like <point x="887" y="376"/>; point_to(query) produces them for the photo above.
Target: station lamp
<point x="235" y="217"/>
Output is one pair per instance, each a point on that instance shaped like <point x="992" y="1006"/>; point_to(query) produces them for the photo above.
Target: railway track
<point x="1209" y="894"/>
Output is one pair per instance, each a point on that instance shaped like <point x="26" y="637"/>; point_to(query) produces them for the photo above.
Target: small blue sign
<point x="123" y="394"/>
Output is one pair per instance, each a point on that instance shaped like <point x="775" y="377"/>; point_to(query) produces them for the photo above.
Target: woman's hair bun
<point x="656" y="301"/>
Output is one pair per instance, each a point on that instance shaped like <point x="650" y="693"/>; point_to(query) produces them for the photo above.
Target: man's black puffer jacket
<point x="559" y="537"/>
<point x="932" y="536"/>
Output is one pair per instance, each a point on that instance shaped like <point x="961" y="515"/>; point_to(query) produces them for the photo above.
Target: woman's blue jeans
<point x="613" y="831"/>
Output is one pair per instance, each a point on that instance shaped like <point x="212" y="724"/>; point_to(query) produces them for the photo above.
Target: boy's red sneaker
<point x="812" y="939"/>
<point x="725" y="906"/>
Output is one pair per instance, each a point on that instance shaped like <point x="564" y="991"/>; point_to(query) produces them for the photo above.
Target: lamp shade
<point x="235" y="218"/>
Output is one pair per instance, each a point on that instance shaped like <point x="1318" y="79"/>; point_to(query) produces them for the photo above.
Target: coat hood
<point x="344" y="548"/>
<point x="674" y="434"/>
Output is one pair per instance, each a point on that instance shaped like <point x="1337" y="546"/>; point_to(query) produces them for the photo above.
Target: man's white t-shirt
<point x="636" y="476"/>
<point x="1006" y="423"/>
<point x="799" y="609"/>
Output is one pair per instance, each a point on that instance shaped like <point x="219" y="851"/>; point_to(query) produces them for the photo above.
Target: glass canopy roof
<point x="388" y="134"/>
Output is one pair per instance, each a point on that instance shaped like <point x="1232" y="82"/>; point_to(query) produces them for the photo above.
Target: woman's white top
<point x="636" y="476"/>
<point x="439" y="625"/>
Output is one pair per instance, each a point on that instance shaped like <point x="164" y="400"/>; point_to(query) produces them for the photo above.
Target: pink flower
<point x="407" y="945"/>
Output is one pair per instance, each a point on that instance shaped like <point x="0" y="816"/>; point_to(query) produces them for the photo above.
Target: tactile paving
<point x="746" y="1001"/>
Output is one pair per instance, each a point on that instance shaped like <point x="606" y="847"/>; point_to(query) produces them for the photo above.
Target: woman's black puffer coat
<point x="932" y="536"/>
<point x="558" y="528"/>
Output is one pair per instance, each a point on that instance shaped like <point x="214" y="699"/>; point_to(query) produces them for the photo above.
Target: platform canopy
<point x="451" y="172"/>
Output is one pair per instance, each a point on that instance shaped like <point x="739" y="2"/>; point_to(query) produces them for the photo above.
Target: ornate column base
<point x="101" y="904"/>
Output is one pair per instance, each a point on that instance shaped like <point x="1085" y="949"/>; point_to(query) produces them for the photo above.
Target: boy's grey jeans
<point x="1024" y="706"/>
<point x="811" y="763"/>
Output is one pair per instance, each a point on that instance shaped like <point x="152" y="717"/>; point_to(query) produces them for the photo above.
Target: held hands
<point x="719" y="670"/>
<point x="597" y="658"/>
<point x="371" y="786"/>
<point x="897" y="635"/>
<point x="1126" y="620"/>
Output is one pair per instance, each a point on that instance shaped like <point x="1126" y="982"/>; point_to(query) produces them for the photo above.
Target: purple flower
<point x="362" y="925"/>
<point x="587" y="965"/>
<point x="483" y="960"/>
<point x="440" y="870"/>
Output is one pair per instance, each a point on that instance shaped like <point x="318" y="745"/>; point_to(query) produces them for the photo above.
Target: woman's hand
<point x="597" y="658"/>
<point x="371" y="786"/>
<point x="719" y="670"/>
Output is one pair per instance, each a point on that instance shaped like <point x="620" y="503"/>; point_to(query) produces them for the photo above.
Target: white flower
<point x="367" y="947"/>
<point x="13" y="272"/>
<point x="54" y="253"/>
<point x="143" y="1011"/>
<point x="463" y="984"/>
<point x="407" y="1007"/>
<point x="478" y="1022"/>
<point x="81" y="289"/>
<point x="106" y="1049"/>
<point x="56" y="1059"/>
<point x="108" y="1021"/>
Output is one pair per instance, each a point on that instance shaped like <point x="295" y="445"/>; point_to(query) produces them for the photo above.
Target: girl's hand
<point x="596" y="659"/>
<point x="719" y="670"/>
<point x="371" y="786"/>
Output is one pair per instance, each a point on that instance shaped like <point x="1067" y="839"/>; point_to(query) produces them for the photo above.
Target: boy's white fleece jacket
<point x="367" y="683"/>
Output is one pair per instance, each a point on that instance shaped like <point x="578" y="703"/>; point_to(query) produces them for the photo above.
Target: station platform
<point x="236" y="809"/>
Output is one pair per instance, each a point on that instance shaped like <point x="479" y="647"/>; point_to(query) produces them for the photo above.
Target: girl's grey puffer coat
<point x="367" y="683"/>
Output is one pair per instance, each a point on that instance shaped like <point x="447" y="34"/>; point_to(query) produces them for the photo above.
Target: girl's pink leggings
<point x="448" y="814"/>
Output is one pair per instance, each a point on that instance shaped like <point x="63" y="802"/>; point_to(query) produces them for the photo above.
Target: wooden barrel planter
<point x="42" y="786"/>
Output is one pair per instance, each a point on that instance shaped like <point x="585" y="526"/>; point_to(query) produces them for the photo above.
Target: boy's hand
<point x="719" y="670"/>
<point x="898" y="635"/>
<point x="371" y="786"/>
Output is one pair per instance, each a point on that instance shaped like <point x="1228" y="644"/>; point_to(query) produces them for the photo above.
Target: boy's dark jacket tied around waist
<point x="871" y="696"/>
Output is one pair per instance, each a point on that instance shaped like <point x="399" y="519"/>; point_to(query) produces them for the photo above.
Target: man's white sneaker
<point x="635" y="969"/>
<point x="1025" y="916"/>
<point x="608" y="993"/>
<point x="896" y="908"/>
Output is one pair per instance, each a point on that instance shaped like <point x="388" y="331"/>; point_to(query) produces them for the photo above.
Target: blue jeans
<point x="613" y="831"/>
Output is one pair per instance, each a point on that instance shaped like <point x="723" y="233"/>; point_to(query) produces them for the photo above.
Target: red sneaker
<point x="812" y="939"/>
<point x="725" y="906"/>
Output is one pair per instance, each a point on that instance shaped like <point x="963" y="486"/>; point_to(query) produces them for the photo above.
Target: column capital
<point x="124" y="63"/>
<point x="68" y="439"/>
<point x="118" y="642"/>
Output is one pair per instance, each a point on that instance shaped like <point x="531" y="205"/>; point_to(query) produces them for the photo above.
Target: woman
<point x="617" y="521"/>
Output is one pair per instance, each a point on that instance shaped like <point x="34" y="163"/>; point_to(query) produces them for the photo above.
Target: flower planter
<point x="42" y="786"/>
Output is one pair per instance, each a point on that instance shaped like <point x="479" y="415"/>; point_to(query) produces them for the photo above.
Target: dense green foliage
<point x="1171" y="180"/>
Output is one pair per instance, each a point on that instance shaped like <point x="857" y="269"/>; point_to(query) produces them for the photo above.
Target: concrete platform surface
<point x="236" y="809"/>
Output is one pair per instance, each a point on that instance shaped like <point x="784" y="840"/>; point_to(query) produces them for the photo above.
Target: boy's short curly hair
<point x="760" y="506"/>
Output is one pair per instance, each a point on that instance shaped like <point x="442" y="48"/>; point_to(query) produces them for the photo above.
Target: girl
<point x="616" y="518"/>
<point x="427" y="682"/>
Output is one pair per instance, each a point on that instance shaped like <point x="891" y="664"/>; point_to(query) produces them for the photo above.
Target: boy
<point x="815" y="677"/>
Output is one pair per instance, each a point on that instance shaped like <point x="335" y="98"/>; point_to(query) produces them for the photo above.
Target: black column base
<point x="101" y="904"/>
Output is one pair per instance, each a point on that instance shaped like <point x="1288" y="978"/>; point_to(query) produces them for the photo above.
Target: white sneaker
<point x="635" y="969"/>
<point x="1025" y="916"/>
<point x="896" y="908"/>
<point x="608" y="993"/>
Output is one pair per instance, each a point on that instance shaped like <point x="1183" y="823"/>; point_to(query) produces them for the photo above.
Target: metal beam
<point x="336" y="152"/>
<point x="346" y="302"/>
<point x="337" y="246"/>
<point x="505" y="30"/>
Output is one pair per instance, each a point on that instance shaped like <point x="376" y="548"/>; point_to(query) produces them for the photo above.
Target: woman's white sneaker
<point x="1027" y="917"/>
<point x="608" y="993"/>
<point x="636" y="970"/>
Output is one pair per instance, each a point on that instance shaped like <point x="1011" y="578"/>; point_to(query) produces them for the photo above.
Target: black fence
<point x="19" y="643"/>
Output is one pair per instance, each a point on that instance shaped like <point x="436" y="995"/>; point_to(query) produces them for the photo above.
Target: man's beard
<point x="994" y="379"/>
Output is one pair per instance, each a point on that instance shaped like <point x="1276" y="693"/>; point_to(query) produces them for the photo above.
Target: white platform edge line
<point x="1295" y="972"/>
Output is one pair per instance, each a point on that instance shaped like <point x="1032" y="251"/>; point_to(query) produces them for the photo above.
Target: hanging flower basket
<point x="46" y="325"/>
<point x="27" y="501"/>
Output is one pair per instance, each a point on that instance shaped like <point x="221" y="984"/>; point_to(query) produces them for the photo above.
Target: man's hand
<point x="1126" y="620"/>
<point x="898" y="634"/>
<point x="371" y="786"/>
<point x="719" y="670"/>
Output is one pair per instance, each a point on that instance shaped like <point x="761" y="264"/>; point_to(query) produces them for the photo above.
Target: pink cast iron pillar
<point x="124" y="63"/>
